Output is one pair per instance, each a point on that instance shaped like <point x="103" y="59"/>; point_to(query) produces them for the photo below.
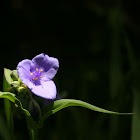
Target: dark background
<point x="97" y="44"/>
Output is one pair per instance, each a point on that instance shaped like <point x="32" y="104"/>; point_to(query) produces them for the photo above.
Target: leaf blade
<point x="7" y="75"/>
<point x="63" y="103"/>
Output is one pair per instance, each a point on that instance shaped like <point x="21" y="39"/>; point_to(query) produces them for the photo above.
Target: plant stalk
<point x="33" y="130"/>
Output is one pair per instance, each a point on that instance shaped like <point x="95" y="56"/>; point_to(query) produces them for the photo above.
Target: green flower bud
<point x="14" y="75"/>
<point x="34" y="109"/>
<point x="23" y="85"/>
<point x="22" y="89"/>
<point x="14" y="84"/>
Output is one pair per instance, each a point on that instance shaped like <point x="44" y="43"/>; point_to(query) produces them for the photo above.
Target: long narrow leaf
<point x="63" y="103"/>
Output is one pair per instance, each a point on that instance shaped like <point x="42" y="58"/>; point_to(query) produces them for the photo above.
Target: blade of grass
<point x="136" y="93"/>
<point x="3" y="129"/>
<point x="115" y="67"/>
<point x="8" y="112"/>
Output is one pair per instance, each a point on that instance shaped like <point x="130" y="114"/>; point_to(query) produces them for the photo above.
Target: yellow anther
<point x="41" y="70"/>
<point x="35" y="78"/>
<point x="41" y="76"/>
<point x="36" y="69"/>
<point x="31" y="73"/>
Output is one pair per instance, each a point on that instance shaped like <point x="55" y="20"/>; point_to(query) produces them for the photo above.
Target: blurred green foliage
<point x="97" y="44"/>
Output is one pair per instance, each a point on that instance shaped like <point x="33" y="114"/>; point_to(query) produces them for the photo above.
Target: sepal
<point x="34" y="109"/>
<point x="14" y="75"/>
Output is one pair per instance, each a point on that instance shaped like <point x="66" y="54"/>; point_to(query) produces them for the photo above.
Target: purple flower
<point x="37" y="75"/>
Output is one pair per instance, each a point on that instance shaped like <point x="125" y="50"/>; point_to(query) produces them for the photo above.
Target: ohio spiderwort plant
<point x="37" y="75"/>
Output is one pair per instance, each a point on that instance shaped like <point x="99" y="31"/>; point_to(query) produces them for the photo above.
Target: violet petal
<point x="46" y="90"/>
<point x="50" y="65"/>
<point x="23" y="69"/>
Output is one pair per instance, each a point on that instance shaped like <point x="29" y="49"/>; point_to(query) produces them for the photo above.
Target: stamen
<point x="41" y="70"/>
<point x="41" y="76"/>
<point x="31" y="73"/>
<point x="35" y="78"/>
<point x="36" y="69"/>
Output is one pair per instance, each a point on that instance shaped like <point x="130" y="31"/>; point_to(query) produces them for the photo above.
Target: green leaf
<point x="63" y="103"/>
<point x="7" y="74"/>
<point x="12" y="98"/>
<point x="4" y="133"/>
<point x="7" y="107"/>
<point x="8" y="95"/>
<point x="6" y="86"/>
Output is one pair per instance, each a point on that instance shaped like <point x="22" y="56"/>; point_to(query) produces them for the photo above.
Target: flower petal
<point x="23" y="69"/>
<point x="37" y="61"/>
<point x="50" y="65"/>
<point x="46" y="90"/>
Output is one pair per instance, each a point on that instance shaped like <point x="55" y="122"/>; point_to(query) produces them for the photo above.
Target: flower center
<point x="37" y="74"/>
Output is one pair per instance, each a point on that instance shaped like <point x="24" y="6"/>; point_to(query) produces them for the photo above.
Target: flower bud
<point x="21" y="89"/>
<point x="15" y="84"/>
<point x="34" y="109"/>
<point x="14" y="75"/>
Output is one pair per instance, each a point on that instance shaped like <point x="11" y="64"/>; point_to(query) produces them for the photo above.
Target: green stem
<point x="33" y="133"/>
<point x="9" y="117"/>
<point x="33" y="130"/>
<point x="136" y="117"/>
<point x="8" y="110"/>
<point x="136" y="92"/>
<point x="115" y="68"/>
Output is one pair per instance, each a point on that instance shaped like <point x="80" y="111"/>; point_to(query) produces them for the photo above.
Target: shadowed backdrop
<point x="97" y="44"/>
